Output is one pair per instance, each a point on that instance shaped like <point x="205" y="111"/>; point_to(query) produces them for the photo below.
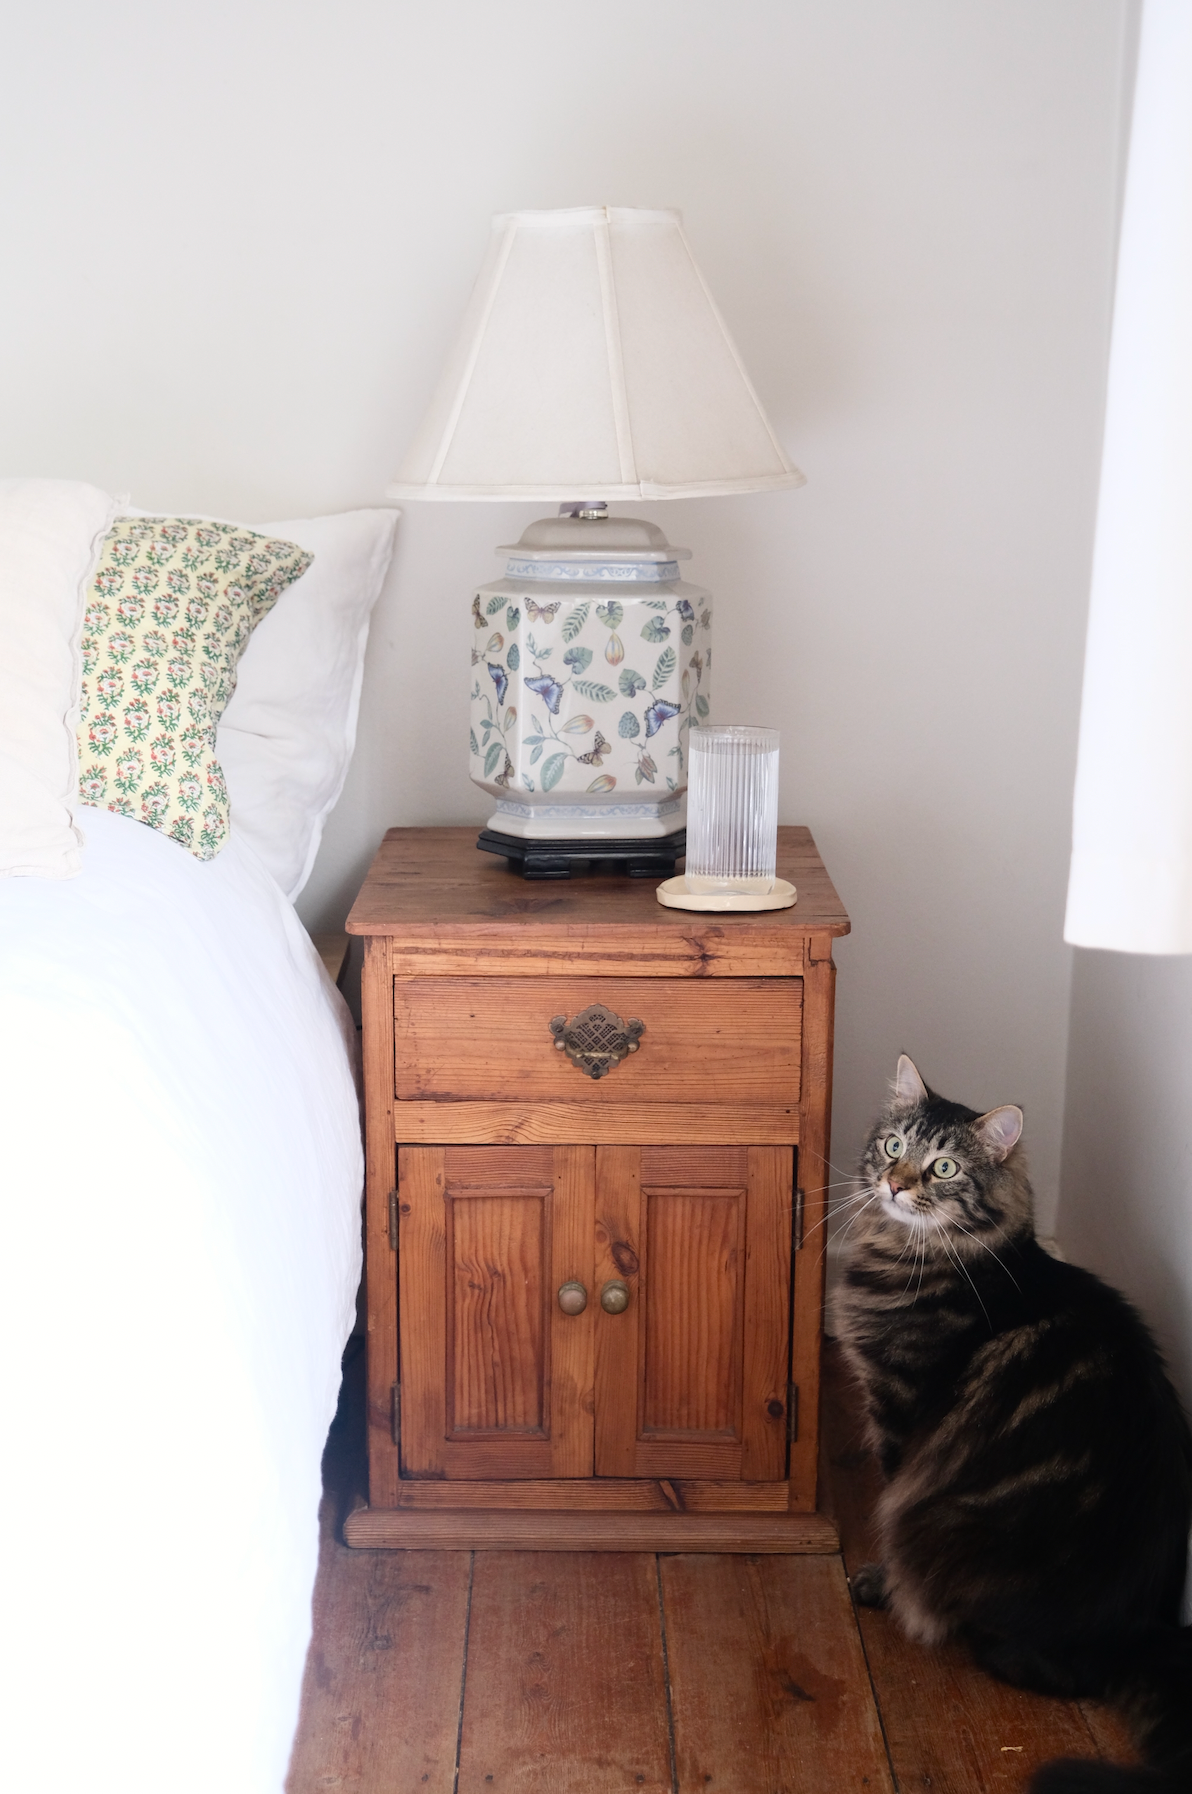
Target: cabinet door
<point x="691" y="1378"/>
<point x="496" y="1381"/>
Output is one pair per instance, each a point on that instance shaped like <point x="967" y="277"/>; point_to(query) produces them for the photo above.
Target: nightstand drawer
<point x="490" y="1040"/>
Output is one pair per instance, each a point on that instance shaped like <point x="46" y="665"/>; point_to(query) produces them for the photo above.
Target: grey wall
<point x="1126" y="1206"/>
<point x="244" y="233"/>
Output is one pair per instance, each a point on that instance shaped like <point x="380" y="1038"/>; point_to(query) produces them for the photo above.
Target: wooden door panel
<point x="497" y="1246"/>
<point x="691" y="1377"/>
<point x="495" y="1380"/>
<point x="702" y="1236"/>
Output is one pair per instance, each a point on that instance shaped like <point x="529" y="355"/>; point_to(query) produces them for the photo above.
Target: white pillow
<point x="286" y="737"/>
<point x="51" y="533"/>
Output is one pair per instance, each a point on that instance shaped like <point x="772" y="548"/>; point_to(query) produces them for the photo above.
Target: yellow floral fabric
<point x="172" y="605"/>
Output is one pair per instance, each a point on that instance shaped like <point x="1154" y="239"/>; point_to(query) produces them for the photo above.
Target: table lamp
<point x="592" y="366"/>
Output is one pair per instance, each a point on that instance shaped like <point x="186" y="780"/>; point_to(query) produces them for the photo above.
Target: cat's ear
<point x="1001" y="1129"/>
<point x="908" y="1085"/>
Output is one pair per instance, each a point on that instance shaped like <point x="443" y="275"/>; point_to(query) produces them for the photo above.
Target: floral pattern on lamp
<point x="582" y="697"/>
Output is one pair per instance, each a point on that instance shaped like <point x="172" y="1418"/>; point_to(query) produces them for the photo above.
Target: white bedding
<point x="180" y="1176"/>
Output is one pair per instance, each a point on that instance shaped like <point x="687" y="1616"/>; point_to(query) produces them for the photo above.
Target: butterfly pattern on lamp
<point x="548" y="689"/>
<point x="582" y="699"/>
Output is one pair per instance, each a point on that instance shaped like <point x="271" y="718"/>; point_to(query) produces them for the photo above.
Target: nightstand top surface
<point x="427" y="880"/>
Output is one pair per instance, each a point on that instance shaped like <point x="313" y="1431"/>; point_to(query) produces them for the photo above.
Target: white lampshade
<point x="592" y="364"/>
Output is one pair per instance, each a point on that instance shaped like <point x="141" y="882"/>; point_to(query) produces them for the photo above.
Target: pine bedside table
<point x="597" y="1134"/>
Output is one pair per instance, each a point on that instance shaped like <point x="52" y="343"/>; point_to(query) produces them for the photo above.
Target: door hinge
<point x="393" y="1220"/>
<point x="792" y="1411"/>
<point x="798" y="1219"/>
<point x="395" y="1413"/>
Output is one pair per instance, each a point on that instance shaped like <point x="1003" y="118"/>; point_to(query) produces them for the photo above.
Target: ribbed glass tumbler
<point x="732" y="810"/>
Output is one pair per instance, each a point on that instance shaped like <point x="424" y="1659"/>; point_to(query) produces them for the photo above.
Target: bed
<point x="180" y="1177"/>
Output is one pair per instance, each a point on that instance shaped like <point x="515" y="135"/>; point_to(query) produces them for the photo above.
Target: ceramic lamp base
<point x="675" y="895"/>
<point x="591" y="661"/>
<point x="650" y="858"/>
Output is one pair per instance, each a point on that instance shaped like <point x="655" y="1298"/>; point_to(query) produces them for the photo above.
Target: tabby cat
<point x="1038" y="1465"/>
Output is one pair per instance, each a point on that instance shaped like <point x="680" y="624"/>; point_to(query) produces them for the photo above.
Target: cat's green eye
<point x="894" y="1146"/>
<point x="945" y="1168"/>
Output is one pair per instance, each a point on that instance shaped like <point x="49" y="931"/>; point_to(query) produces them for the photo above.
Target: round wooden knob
<point x="614" y="1297"/>
<point x="573" y="1298"/>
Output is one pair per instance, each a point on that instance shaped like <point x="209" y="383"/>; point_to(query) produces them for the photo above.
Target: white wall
<point x="239" y="236"/>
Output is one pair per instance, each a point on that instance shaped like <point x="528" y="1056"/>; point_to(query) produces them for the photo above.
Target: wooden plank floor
<point x="502" y="1672"/>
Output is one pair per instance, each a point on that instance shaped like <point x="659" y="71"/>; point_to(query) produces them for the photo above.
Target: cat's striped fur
<point x="1038" y="1466"/>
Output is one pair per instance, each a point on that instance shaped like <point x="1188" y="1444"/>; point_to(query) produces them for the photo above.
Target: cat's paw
<point x="869" y="1585"/>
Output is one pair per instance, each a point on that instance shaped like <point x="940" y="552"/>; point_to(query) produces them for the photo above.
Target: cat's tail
<point x="1155" y="1695"/>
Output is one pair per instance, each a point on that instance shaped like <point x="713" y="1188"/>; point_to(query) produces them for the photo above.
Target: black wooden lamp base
<point x="653" y="858"/>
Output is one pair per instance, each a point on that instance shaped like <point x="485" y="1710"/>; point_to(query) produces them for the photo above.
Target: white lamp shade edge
<point x="597" y="490"/>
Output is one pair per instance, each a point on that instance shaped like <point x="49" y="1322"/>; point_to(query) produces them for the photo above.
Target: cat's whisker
<point x="836" y="1213"/>
<point x="876" y="1197"/>
<point x="922" y="1264"/>
<point x="913" y="1234"/>
<point x="838" y="1169"/>
<point x="838" y="1209"/>
<point x="963" y="1269"/>
<point x="914" y="1238"/>
<point x="978" y="1241"/>
<point x="838" y="1238"/>
<point x="836" y="1202"/>
<point x="842" y="1203"/>
<point x="837" y="1205"/>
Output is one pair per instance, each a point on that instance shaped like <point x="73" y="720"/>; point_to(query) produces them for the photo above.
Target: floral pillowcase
<point x="172" y="605"/>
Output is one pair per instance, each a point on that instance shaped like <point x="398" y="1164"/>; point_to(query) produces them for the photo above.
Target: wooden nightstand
<point x="592" y="1323"/>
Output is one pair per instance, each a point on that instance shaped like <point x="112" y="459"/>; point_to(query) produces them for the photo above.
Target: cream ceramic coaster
<point x="675" y="895"/>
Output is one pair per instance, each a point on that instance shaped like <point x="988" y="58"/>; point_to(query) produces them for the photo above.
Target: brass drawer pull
<point x="573" y="1298"/>
<point x="596" y="1039"/>
<point x="614" y="1297"/>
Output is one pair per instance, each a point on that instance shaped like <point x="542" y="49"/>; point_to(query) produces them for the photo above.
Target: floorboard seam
<point x="877" y="1705"/>
<point x="666" y="1678"/>
<point x="463" y="1674"/>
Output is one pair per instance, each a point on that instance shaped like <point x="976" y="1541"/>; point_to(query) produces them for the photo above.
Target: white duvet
<point x="180" y="1176"/>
